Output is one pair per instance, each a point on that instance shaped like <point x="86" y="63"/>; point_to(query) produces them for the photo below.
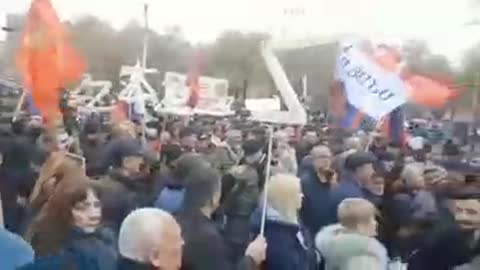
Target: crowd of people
<point x="195" y="195"/>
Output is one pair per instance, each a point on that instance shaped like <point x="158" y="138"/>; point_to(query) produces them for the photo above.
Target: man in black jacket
<point x="240" y="193"/>
<point x="125" y="188"/>
<point x="205" y="248"/>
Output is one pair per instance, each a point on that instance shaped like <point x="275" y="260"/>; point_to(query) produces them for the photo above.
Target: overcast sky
<point x="440" y="22"/>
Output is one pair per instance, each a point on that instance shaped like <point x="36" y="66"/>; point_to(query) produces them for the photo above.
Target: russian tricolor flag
<point x="349" y="117"/>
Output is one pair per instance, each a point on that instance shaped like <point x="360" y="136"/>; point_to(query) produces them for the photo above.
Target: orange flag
<point x="45" y="58"/>
<point x="429" y="93"/>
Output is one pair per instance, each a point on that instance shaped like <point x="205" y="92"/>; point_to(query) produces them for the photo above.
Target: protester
<point x="171" y="197"/>
<point x="240" y="192"/>
<point x="14" y="251"/>
<point x="351" y="145"/>
<point x="68" y="231"/>
<point x="351" y="245"/>
<point x="205" y="248"/>
<point x="317" y="183"/>
<point x="150" y="239"/>
<point x="290" y="245"/>
<point x="303" y="148"/>
<point x="125" y="187"/>
<point x="284" y="155"/>
<point x="121" y="135"/>
<point x="216" y="216"/>
<point x="227" y="153"/>
<point x="170" y="187"/>
<point x="358" y="172"/>
<point x="91" y="143"/>
<point x="415" y="203"/>
<point x="17" y="178"/>
<point x="451" y="149"/>
<point x="57" y="169"/>
<point x="445" y="245"/>
<point x="188" y="139"/>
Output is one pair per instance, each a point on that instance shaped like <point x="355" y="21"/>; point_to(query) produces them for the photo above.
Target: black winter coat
<point x="443" y="248"/>
<point x="205" y="248"/>
<point x="119" y="196"/>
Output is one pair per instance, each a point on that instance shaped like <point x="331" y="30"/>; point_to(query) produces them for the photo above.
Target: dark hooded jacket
<point x="443" y="248"/>
<point x="205" y="248"/>
<point x="120" y="195"/>
<point x="113" y="152"/>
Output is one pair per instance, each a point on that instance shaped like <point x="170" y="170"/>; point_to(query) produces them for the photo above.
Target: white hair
<point x="136" y="239"/>
<point x="412" y="172"/>
<point x="352" y="143"/>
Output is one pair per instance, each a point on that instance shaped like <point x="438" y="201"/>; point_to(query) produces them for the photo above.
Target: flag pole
<point x="267" y="178"/>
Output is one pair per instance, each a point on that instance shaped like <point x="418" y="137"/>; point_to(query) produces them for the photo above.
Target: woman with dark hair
<point x="58" y="168"/>
<point x="204" y="247"/>
<point x="67" y="233"/>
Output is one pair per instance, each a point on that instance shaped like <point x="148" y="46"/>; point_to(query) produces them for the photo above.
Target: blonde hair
<point x="282" y="195"/>
<point x="355" y="211"/>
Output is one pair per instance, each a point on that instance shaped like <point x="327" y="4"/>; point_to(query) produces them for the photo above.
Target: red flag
<point x="193" y="83"/>
<point x="45" y="59"/>
<point x="193" y="79"/>
<point x="120" y="112"/>
<point x="337" y="99"/>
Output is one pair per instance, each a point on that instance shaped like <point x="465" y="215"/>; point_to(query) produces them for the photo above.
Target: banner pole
<point x="267" y="178"/>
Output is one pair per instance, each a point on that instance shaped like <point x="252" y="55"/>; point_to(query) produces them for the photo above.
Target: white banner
<point x="369" y="88"/>
<point x="213" y="94"/>
<point x="263" y="104"/>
